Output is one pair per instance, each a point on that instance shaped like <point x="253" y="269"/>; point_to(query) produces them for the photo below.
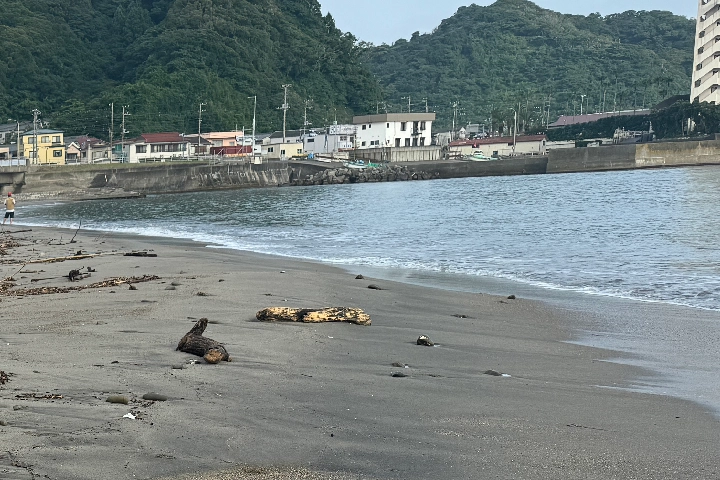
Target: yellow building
<point x="50" y="147"/>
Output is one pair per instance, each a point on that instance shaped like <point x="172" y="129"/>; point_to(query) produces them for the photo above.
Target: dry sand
<point x="309" y="401"/>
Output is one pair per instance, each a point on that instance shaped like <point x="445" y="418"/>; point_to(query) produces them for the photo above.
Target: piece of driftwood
<point x="314" y="315"/>
<point x="5" y="286"/>
<point x="193" y="342"/>
<point x="140" y="254"/>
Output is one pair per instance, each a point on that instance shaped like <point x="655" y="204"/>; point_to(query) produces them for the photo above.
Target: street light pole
<point x="199" y="124"/>
<point x="582" y="100"/>
<point x="285" y="108"/>
<point x="252" y="150"/>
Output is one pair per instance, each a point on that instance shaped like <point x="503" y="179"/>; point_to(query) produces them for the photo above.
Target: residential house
<point x="198" y="148"/>
<point x="394" y="130"/>
<point x="328" y="142"/>
<point x="86" y="149"/>
<point x="9" y="131"/>
<point x="282" y="151"/>
<point x="72" y="152"/>
<point x="501" y="146"/>
<point x="156" y="147"/>
<point x="50" y="146"/>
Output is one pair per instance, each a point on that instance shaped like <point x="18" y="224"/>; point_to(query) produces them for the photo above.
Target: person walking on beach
<point x="9" y="208"/>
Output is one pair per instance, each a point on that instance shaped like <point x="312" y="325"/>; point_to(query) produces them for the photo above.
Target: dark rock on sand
<point x="494" y="373"/>
<point x="359" y="277"/>
<point x="399" y="364"/>
<point x="374" y="287"/>
<point x="398" y="374"/>
<point x="425" y="340"/>
<point x="132" y="287"/>
<point x="511" y="297"/>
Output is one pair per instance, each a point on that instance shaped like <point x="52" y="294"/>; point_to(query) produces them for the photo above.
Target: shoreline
<point x="314" y="397"/>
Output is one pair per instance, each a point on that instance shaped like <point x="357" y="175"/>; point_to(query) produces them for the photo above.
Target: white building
<point x="336" y="139"/>
<point x="706" y="65"/>
<point x="156" y="147"/>
<point x="394" y="130"/>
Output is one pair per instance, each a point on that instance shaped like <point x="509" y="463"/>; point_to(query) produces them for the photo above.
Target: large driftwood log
<point x="194" y="342"/>
<point x="310" y="315"/>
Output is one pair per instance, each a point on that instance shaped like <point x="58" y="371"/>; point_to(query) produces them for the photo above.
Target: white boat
<point x="478" y="156"/>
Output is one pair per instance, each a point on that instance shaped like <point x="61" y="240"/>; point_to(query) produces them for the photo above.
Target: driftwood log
<point x="310" y="315"/>
<point x="193" y="342"/>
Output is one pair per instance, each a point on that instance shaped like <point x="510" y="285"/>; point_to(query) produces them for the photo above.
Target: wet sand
<point x="310" y="400"/>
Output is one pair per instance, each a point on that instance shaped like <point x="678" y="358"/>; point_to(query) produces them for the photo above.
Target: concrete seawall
<point x="626" y="157"/>
<point x="99" y="181"/>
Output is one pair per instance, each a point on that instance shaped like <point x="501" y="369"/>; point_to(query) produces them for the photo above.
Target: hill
<point x="490" y="60"/>
<point x="162" y="58"/>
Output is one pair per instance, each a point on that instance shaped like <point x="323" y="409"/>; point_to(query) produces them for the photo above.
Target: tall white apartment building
<point x="706" y="67"/>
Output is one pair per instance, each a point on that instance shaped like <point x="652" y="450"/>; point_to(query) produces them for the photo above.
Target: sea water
<point x="649" y="236"/>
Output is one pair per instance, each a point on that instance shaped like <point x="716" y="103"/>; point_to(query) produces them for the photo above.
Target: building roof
<point x="476" y="142"/>
<point x="42" y="131"/>
<point x="394" y="117"/>
<point x="193" y="139"/>
<point x="566" y="120"/>
<point x="288" y="134"/>
<point x="166" y="137"/>
<point x="221" y="135"/>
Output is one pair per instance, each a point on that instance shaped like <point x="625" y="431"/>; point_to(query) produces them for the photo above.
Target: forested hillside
<point x="162" y="58"/>
<point x="489" y="59"/>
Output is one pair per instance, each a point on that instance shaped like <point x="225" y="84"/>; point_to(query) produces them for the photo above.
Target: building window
<point x="364" y="127"/>
<point x="363" y="144"/>
<point x="140" y="148"/>
<point x="343" y="138"/>
<point x="310" y="140"/>
<point x="30" y="141"/>
<point x="403" y="126"/>
<point x="282" y="152"/>
<point x="422" y="141"/>
<point x="56" y="139"/>
<point x="45" y="139"/>
<point x="415" y="142"/>
<point x="271" y="149"/>
<point x="370" y="126"/>
<point x="699" y="66"/>
<point x="299" y="151"/>
<point x="397" y="142"/>
<point x="375" y="142"/>
<point x="57" y="153"/>
<point x="423" y="126"/>
<point x="407" y="142"/>
<point x="388" y="125"/>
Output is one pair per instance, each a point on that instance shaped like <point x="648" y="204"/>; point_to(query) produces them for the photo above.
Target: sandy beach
<point x="319" y="401"/>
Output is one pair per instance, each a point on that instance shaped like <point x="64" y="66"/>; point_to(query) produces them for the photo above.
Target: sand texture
<point x="306" y="400"/>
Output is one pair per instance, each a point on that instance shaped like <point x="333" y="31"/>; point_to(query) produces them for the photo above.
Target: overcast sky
<point x="384" y="21"/>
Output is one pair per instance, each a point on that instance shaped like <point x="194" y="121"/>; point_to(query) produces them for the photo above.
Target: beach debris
<point x="193" y="342"/>
<point x="359" y="277"/>
<point x="178" y="366"/>
<point x="132" y="287"/>
<point x="139" y="254"/>
<point x="202" y="294"/>
<point x="77" y="274"/>
<point x="170" y="287"/>
<point x="175" y="283"/>
<point x="156" y="397"/>
<point x="282" y="271"/>
<point x="512" y="297"/>
<point x="398" y="374"/>
<point x="112" y="282"/>
<point x="310" y="315"/>
<point x="130" y="416"/>
<point x="4" y="378"/>
<point x="3" y="423"/>
<point x="372" y="286"/>
<point x="117" y="399"/>
<point x="38" y="396"/>
<point x="495" y="373"/>
<point x="459" y="315"/>
<point x="90" y="269"/>
<point x="400" y="365"/>
<point x="425" y="340"/>
<point x="78" y="256"/>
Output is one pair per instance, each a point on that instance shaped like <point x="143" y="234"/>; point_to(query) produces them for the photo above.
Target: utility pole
<point x="252" y="150"/>
<point x="515" y="131"/>
<point x="285" y="108"/>
<point x="112" y="127"/>
<point x="200" y="112"/>
<point x="455" y="106"/>
<point x="426" y="105"/>
<point x="308" y="105"/>
<point x="123" y="132"/>
<point x="35" y="113"/>
<point x="409" y="104"/>
<point x="582" y="100"/>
